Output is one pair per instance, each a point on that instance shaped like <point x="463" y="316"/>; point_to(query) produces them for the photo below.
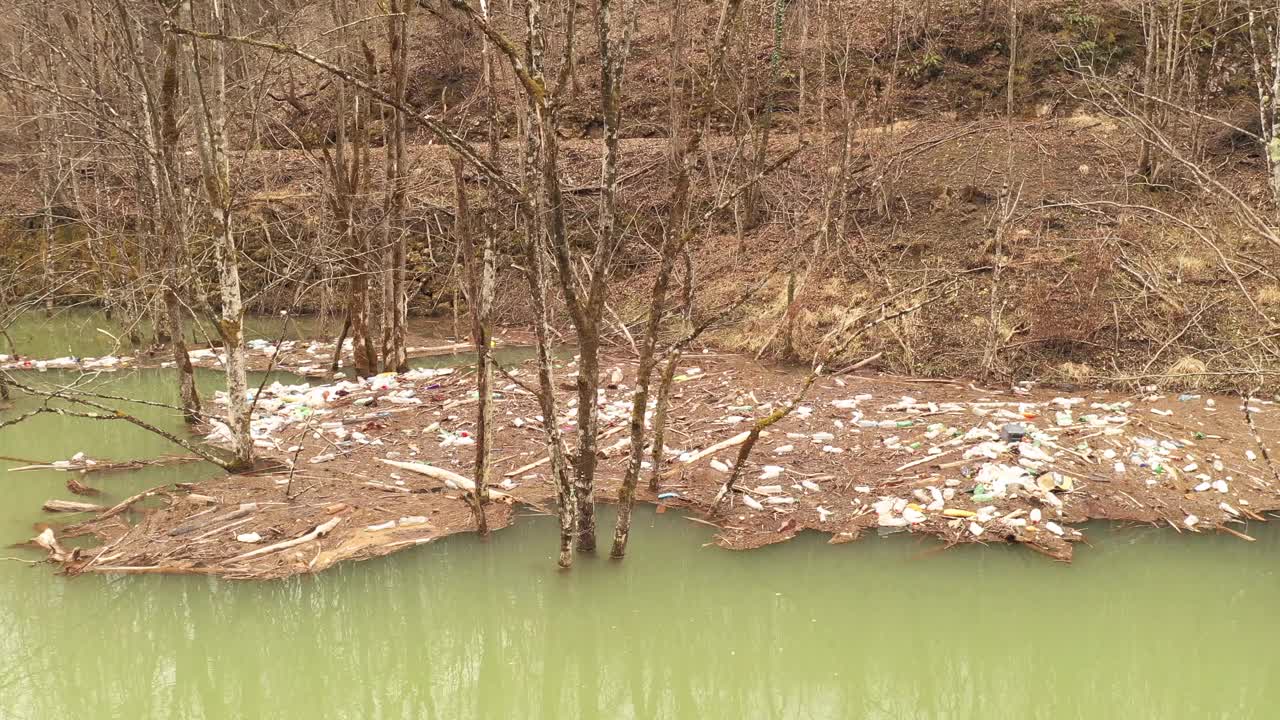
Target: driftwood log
<point x="71" y="506"/>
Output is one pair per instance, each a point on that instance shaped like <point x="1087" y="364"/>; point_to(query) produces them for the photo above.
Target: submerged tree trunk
<point x="176" y="235"/>
<point x="207" y="80"/>
<point x="347" y="171"/>
<point x="478" y="262"/>
<point x="159" y="111"/>
<point x="669" y="250"/>
<point x="337" y="348"/>
<point x="544" y="198"/>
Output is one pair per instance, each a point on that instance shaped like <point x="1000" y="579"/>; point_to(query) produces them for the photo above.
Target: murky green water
<point x="1147" y="623"/>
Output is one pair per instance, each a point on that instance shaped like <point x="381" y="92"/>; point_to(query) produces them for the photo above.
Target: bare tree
<point x="395" y="302"/>
<point x="207" y="83"/>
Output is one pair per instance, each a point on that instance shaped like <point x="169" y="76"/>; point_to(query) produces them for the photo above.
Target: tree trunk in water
<point x="640" y="399"/>
<point x="231" y="328"/>
<point x="660" y="419"/>
<point x="337" y="348"/>
<point x="160" y="110"/>
<point x="186" y="373"/>
<point x="671" y="241"/>
<point x="477" y="262"/>
<point x="545" y="222"/>
<point x="566" y="492"/>
<point x="209" y="108"/>
<point x="588" y="415"/>
<point x="347" y="170"/>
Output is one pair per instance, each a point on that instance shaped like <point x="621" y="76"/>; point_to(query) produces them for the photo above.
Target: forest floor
<point x="934" y="463"/>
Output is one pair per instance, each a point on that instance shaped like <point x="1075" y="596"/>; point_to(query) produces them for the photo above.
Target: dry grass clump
<point x="1074" y="372"/>
<point x="1269" y="295"/>
<point x="1186" y="374"/>
<point x="1190" y="264"/>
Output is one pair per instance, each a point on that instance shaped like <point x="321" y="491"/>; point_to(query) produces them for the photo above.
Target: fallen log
<point x="70" y="506"/>
<point x="701" y="454"/>
<point x="451" y="479"/>
<point x="318" y="532"/>
<point x="244" y="510"/>
<point x="448" y="477"/>
<point x="527" y="468"/>
<point x="124" y="504"/>
<point x="1237" y="533"/>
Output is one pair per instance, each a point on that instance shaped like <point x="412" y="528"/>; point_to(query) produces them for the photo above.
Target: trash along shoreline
<point x="364" y="468"/>
<point x="309" y="358"/>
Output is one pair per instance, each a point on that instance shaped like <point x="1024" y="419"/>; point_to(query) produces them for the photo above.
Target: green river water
<point x="1145" y="624"/>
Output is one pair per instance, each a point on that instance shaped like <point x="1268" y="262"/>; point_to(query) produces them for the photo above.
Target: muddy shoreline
<point x="863" y="453"/>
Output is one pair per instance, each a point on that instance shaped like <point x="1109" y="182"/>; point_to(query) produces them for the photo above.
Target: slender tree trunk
<point x="159" y="110"/>
<point x="347" y="172"/>
<point x="395" y="300"/>
<point x="478" y="263"/>
<point x="207" y="80"/>
<point x="176" y="226"/>
<point x="337" y="348"/>
<point x="566" y="491"/>
<point x="545" y="223"/>
<point x="394" y="304"/>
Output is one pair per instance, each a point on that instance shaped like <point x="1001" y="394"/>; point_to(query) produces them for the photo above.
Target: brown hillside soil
<point x="917" y="476"/>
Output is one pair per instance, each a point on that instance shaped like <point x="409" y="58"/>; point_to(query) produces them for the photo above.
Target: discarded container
<point x="981" y="494"/>
<point x="667" y="495"/>
<point x="1013" y="432"/>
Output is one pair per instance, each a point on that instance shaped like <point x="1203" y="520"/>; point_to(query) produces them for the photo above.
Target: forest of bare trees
<point x="817" y="181"/>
